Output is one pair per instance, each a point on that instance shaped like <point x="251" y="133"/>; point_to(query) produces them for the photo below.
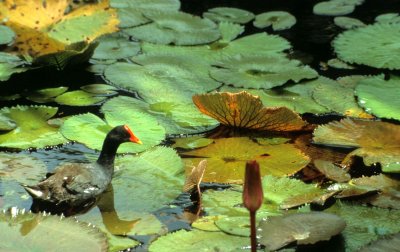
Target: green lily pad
<point x="226" y="159"/>
<point x="377" y="142"/>
<point x="380" y="97"/>
<point x="388" y="18"/>
<point x="207" y="223"/>
<point x="178" y="28"/>
<point x="45" y="95"/>
<point x="154" y="5"/>
<point x="7" y="124"/>
<point x="304" y="228"/>
<point x="332" y="171"/>
<point x="348" y="22"/>
<point x="115" y="47"/>
<point x="280" y="20"/>
<point x="175" y="117"/>
<point x="149" y="181"/>
<point x="333" y="8"/>
<point x="130" y="17"/>
<point x="272" y="141"/>
<point x="390" y="243"/>
<point x="8" y="69"/>
<point x="365" y="224"/>
<point x="79" y="98"/>
<point x="146" y="128"/>
<point x="372" y="45"/>
<point x="229" y="31"/>
<point x="22" y="168"/>
<point x="260" y="71"/>
<point x="239" y="225"/>
<point x="7" y="35"/>
<point x="32" y="129"/>
<point x="22" y="231"/>
<point x="191" y="142"/>
<point x="337" y="63"/>
<point x="100" y="89"/>
<point x="198" y="240"/>
<point x="229" y="14"/>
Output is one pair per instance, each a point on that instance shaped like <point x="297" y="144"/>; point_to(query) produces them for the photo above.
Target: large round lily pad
<point x="115" y="47"/>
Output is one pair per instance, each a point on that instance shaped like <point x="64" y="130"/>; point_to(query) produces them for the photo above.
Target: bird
<point x="75" y="184"/>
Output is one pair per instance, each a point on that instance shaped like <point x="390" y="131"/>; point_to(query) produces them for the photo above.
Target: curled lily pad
<point x="333" y="8"/>
<point x="379" y="97"/>
<point x="45" y="95"/>
<point x="388" y="18"/>
<point x="6" y="35"/>
<point x="22" y="168"/>
<point x="226" y="159"/>
<point x="26" y="231"/>
<point x="79" y="98"/>
<point x="280" y="20"/>
<point x="229" y="14"/>
<point x="377" y="142"/>
<point x="347" y="22"/>
<point x="372" y="45"/>
<point x="32" y="129"/>
<point x="332" y="171"/>
<point x="100" y="89"/>
<point x="178" y="28"/>
<point x="7" y="124"/>
<point x="198" y="240"/>
<point x="145" y="128"/>
<point x="304" y="228"/>
<point x="115" y="47"/>
<point x="260" y="71"/>
<point x="244" y="110"/>
<point x="7" y="69"/>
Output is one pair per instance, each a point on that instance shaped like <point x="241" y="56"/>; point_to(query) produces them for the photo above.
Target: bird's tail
<point x="35" y="191"/>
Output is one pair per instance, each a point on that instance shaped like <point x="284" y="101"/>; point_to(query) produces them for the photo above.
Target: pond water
<point x="145" y="204"/>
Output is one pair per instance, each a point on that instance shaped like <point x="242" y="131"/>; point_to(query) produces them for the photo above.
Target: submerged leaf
<point x="305" y="228"/>
<point x="243" y="110"/>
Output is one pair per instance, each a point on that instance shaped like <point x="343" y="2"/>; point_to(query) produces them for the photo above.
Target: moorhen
<point x="75" y="184"/>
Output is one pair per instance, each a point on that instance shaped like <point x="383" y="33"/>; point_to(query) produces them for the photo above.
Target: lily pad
<point x="332" y="171"/>
<point x="146" y="128"/>
<point x="333" y="8"/>
<point x="207" y="223"/>
<point x="377" y="142"/>
<point x="7" y="35"/>
<point x="280" y="20"/>
<point x="226" y="159"/>
<point x="229" y="14"/>
<point x="154" y="5"/>
<point x="130" y="17"/>
<point x="191" y="142"/>
<point x="260" y="71"/>
<point x="198" y="240"/>
<point x="304" y="228"/>
<point x="388" y="18"/>
<point x="115" y="47"/>
<point x="379" y="97"/>
<point x="100" y="89"/>
<point x="178" y="28"/>
<point x="337" y="63"/>
<point x="32" y="129"/>
<point x="348" y="22"/>
<point x="229" y="31"/>
<point x="26" y="231"/>
<point x="45" y="95"/>
<point x="79" y="98"/>
<point x="372" y="45"/>
<point x="239" y="225"/>
<point x="390" y="243"/>
<point x="243" y="110"/>
<point x="7" y="124"/>
<point x="8" y="69"/>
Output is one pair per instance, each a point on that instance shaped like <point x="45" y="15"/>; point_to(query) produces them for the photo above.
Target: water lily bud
<point x="252" y="189"/>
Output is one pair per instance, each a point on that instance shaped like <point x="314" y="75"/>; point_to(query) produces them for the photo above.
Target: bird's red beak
<point x="133" y="138"/>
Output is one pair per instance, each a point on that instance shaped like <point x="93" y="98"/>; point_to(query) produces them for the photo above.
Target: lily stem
<point x="253" y="236"/>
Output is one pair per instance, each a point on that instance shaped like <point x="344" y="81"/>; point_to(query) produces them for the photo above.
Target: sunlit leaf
<point x="380" y="97"/>
<point x="91" y="130"/>
<point x="45" y="95"/>
<point x="377" y="142"/>
<point x="207" y="223"/>
<point x="365" y="224"/>
<point x="178" y="28"/>
<point x="7" y="124"/>
<point x="304" y="228"/>
<point x="32" y="129"/>
<point x="79" y="98"/>
<point x="99" y="89"/>
<point x="26" y="231"/>
<point x="337" y="63"/>
<point x="239" y="225"/>
<point x="115" y="47"/>
<point x="260" y="71"/>
<point x="244" y="110"/>
<point x="372" y="45"/>
<point x="198" y="240"/>
<point x="280" y="20"/>
<point x="7" y="69"/>
<point x="226" y="159"/>
<point x="192" y="142"/>
<point x="229" y="14"/>
<point x="331" y="171"/>
<point x="348" y="22"/>
<point x="7" y="35"/>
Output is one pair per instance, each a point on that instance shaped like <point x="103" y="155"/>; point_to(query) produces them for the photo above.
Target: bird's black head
<point x="123" y="133"/>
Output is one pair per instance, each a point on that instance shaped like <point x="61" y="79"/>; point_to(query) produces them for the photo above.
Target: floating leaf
<point x="178" y="28"/>
<point x="7" y="35"/>
<point x="348" y="22"/>
<point x="26" y="231"/>
<point x="379" y="97"/>
<point x="130" y="17"/>
<point x="32" y="129"/>
<point x="115" y="47"/>
<point x="391" y="243"/>
<point x="238" y="225"/>
<point x="207" y="223"/>
<point x="333" y="8"/>
<point x="142" y="5"/>
<point x="337" y="63"/>
<point x="229" y="31"/>
<point x="260" y="71"/>
<point x="280" y="20"/>
<point x="45" y="95"/>
<point x="305" y="228"/>
<point x="22" y="168"/>
<point x="7" y="124"/>
<point x="198" y="240"/>
<point x="331" y="171"/>
<point x="191" y="142"/>
<point x="100" y="89"/>
<point x="226" y="159"/>
<point x="372" y="45"/>
<point x="145" y="128"/>
<point x="229" y="14"/>
<point x="79" y="98"/>
<point x="7" y="69"/>
<point x="377" y="142"/>
<point x="244" y="110"/>
<point x="365" y="224"/>
<point x="388" y="18"/>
